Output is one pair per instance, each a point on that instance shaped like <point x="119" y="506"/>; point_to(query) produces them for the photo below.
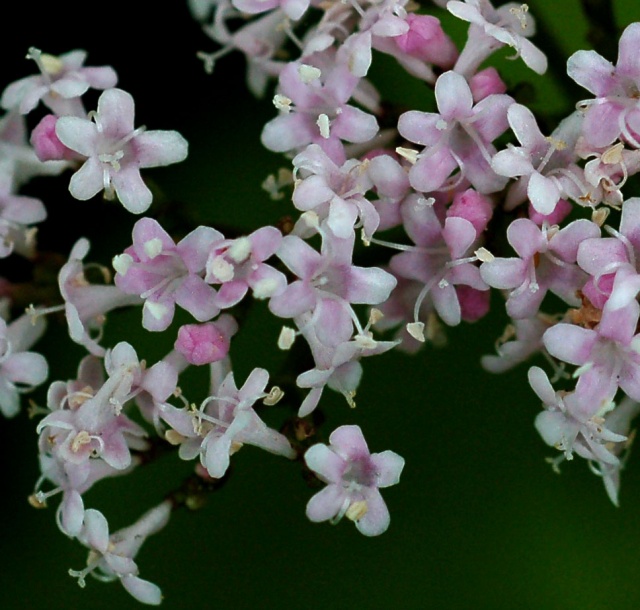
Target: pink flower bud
<point x="46" y="143"/>
<point x="472" y="206"/>
<point x="426" y="40"/>
<point x="474" y="304"/>
<point x="206" y="343"/>
<point x="485" y="83"/>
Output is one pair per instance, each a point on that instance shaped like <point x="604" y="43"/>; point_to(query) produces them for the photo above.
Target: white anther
<point x="484" y="256"/>
<point x="308" y="73"/>
<point x="323" y="125"/>
<point x="152" y="247"/>
<point x="408" y="153"/>
<point x="121" y="263"/>
<point x="282" y="103"/>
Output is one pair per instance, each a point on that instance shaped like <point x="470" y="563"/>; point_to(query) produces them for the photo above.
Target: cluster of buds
<point x="425" y="196"/>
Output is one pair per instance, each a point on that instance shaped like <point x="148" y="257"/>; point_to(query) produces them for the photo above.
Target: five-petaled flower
<point x="353" y="476"/>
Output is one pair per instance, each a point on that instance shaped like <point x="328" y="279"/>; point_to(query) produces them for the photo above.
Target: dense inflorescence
<point x="438" y="182"/>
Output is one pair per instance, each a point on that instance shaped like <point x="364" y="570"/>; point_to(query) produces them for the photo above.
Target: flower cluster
<point x="424" y="194"/>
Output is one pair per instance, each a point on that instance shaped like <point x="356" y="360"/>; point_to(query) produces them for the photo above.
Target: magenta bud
<point x="485" y="83"/>
<point x="45" y="142"/>
<point x="472" y="206"/>
<point x="427" y="41"/>
<point x="474" y="304"/>
<point x="206" y="343"/>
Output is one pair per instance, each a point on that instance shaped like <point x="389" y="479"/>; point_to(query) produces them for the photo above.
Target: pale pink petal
<point x="88" y="180"/>
<point x="349" y="442"/>
<point x="156" y="148"/>
<point x="77" y="134"/>
<point x="453" y="96"/>
<point x="142" y="590"/>
<point x="389" y="466"/>
<point x="326" y="504"/>
<point x="354" y="125"/>
<point x="376" y="520"/>
<point x="96" y="530"/>
<point x="570" y="343"/>
<point x="116" y="110"/>
<point x="325" y="463"/>
<point x="132" y="192"/>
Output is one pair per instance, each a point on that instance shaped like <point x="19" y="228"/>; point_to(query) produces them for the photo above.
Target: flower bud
<point x="426" y="40"/>
<point x="485" y="83"/>
<point x="206" y="343"/>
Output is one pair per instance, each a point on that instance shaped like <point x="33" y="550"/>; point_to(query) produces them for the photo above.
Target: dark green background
<point x="478" y="521"/>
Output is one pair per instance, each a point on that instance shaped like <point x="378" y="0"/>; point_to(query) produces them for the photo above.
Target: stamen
<point x="282" y="103"/>
<point x="121" y="263"/>
<point x="357" y="510"/>
<point x="308" y="73"/>
<point x="286" y="338"/>
<point x="375" y="315"/>
<point x="173" y="437"/>
<point x="520" y="13"/>
<point x="274" y="396"/>
<point x="323" y="125"/>
<point x="390" y="244"/>
<point x="209" y="59"/>
<point x="49" y="65"/>
<point x="43" y="311"/>
<point x="355" y="5"/>
<point x="366" y="341"/>
<point x="416" y="330"/>
<point x="484" y="256"/>
<point x="409" y="154"/>
<point x="587" y="366"/>
<point x="285" y="26"/>
<point x="421" y="297"/>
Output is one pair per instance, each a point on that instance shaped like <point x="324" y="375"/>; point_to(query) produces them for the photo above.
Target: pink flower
<point x="164" y="273"/>
<point x="238" y="264"/>
<point x="112" y="556"/>
<point x="327" y="285"/>
<point x="614" y="112"/>
<point x="353" y="476"/>
<point x="224" y="423"/>
<point x="60" y="84"/>
<point x="20" y="370"/>
<point x="86" y="304"/>
<point x="459" y="136"/>
<point x="314" y="108"/>
<point x="115" y="151"/>
<point x="491" y="29"/>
